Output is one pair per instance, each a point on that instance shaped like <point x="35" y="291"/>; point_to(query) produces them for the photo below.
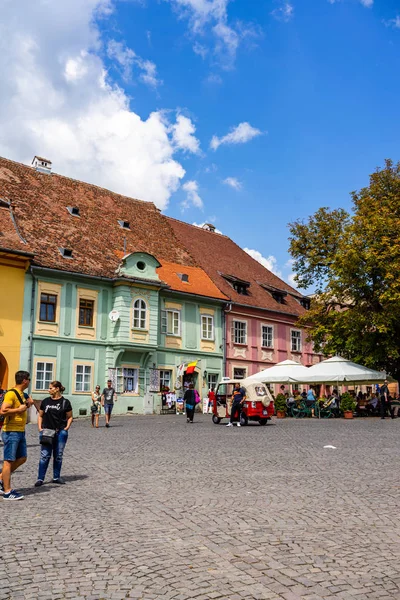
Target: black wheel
<point x="243" y="419"/>
<point x="263" y="421"/>
<point x="216" y="419"/>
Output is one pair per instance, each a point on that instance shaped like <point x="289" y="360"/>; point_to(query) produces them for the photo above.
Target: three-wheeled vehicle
<point x="258" y="406"/>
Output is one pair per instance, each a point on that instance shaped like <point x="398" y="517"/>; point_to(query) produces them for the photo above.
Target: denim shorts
<point x="108" y="409"/>
<point x="14" y="445"/>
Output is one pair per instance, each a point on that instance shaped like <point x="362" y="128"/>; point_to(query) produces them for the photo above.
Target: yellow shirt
<point x="16" y="421"/>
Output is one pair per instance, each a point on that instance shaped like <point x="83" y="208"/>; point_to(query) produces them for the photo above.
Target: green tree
<point x="353" y="263"/>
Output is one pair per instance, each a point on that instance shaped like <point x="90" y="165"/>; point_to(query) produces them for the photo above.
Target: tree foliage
<point x="353" y="262"/>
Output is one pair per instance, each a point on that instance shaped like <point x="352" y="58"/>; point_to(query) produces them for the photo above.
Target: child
<point x="96" y="406"/>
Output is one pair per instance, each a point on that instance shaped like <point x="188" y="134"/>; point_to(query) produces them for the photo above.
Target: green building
<point x="110" y="294"/>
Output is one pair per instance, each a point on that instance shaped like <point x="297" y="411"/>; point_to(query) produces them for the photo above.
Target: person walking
<point x="238" y="398"/>
<point x="386" y="405"/>
<point x="95" y="408"/>
<point x="107" y="400"/>
<point x="14" y="409"/>
<point x="190" y="403"/>
<point x="211" y="400"/>
<point x="311" y="399"/>
<point x="54" y="420"/>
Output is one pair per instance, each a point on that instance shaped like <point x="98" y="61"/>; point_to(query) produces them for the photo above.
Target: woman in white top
<point x="96" y="406"/>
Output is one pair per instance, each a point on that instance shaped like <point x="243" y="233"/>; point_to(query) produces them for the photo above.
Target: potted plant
<point x="347" y="405"/>
<point x="280" y="406"/>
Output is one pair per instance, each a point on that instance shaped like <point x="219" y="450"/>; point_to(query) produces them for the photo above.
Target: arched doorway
<point x="3" y="373"/>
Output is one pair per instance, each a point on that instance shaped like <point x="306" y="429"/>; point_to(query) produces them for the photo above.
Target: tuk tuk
<point x="258" y="406"/>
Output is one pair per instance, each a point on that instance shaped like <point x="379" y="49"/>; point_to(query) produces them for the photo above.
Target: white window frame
<point x="271" y="327"/>
<point x="298" y="340"/>
<point x="234" y="332"/>
<point x="243" y="369"/>
<point x="139" y="314"/>
<point x="162" y="378"/>
<point x="207" y="327"/>
<point x="176" y="327"/>
<point x="46" y="362"/>
<point x="212" y="380"/>
<point x="129" y="372"/>
<point x="88" y="383"/>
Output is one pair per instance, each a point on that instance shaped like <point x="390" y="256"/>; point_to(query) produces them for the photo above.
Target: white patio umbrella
<point x="287" y="371"/>
<point x="341" y="370"/>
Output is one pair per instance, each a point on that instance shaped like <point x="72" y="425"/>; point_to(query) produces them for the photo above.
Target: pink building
<point x="260" y="319"/>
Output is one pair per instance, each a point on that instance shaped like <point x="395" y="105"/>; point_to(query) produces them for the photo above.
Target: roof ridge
<point x="197" y="227"/>
<point x="93" y="185"/>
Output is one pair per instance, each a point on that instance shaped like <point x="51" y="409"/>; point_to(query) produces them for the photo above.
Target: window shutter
<point x="163" y="321"/>
<point x="233" y="332"/>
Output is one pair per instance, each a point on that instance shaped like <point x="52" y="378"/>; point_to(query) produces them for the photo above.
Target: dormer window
<point x="278" y="297"/>
<point x="240" y="288"/>
<point x="66" y="252"/>
<point x="277" y="294"/>
<point x="183" y="277"/>
<point x="305" y="303"/>
<point x="239" y="285"/>
<point x="124" y="224"/>
<point x="73" y="210"/>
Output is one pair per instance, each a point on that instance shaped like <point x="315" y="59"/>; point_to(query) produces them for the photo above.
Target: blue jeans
<point x="57" y="449"/>
<point x="14" y="445"/>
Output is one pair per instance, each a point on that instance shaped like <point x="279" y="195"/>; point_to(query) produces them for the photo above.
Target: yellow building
<point x="12" y="277"/>
<point x="14" y="261"/>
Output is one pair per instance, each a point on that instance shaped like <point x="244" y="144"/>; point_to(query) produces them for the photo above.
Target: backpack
<point x="2" y="396"/>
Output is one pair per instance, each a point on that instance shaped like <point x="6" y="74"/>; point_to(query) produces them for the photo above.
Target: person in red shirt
<point x="211" y="398"/>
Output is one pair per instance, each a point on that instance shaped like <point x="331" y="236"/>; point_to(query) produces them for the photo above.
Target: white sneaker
<point x="229" y="425"/>
<point x="238" y="424"/>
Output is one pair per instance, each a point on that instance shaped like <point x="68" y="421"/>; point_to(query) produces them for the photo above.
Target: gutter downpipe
<point x="227" y="308"/>
<point x="32" y="323"/>
<point x="32" y="410"/>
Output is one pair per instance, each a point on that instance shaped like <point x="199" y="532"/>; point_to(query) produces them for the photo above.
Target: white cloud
<point x="393" y="22"/>
<point x="366" y="3"/>
<point x="192" y="195"/>
<point x="241" y="134"/>
<point x="233" y="182"/>
<point x="214" y="78"/>
<point x="291" y="280"/>
<point x="213" y="14"/>
<point x="127" y="58"/>
<point x="200" y="49"/>
<point x="183" y="135"/>
<point x="285" y="12"/>
<point x="57" y="100"/>
<point x="269" y="262"/>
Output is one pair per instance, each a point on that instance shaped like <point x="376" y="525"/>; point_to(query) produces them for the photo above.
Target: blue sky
<point x="313" y="86"/>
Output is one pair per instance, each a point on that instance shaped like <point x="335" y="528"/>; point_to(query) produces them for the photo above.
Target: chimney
<point x="42" y="165"/>
<point x="209" y="227"/>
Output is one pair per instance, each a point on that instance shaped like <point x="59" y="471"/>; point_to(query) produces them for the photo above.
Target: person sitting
<point x="372" y="405"/>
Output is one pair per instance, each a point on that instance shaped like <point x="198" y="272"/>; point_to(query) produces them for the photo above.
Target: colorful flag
<point x="190" y="368"/>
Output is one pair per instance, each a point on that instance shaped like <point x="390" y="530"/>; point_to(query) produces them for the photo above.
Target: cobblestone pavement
<point x="156" y="508"/>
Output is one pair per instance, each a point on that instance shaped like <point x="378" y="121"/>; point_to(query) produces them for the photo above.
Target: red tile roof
<point x="9" y="238"/>
<point x="39" y="202"/>
<point x="218" y="255"/>
<point x="199" y="282"/>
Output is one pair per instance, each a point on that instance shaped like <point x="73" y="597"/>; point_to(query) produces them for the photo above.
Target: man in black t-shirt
<point x="107" y="400"/>
<point x="238" y="398"/>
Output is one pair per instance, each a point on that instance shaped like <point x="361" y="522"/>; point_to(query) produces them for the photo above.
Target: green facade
<point x="83" y="356"/>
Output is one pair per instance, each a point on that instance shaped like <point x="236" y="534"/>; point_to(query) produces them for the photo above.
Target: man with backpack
<point x="14" y="409"/>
